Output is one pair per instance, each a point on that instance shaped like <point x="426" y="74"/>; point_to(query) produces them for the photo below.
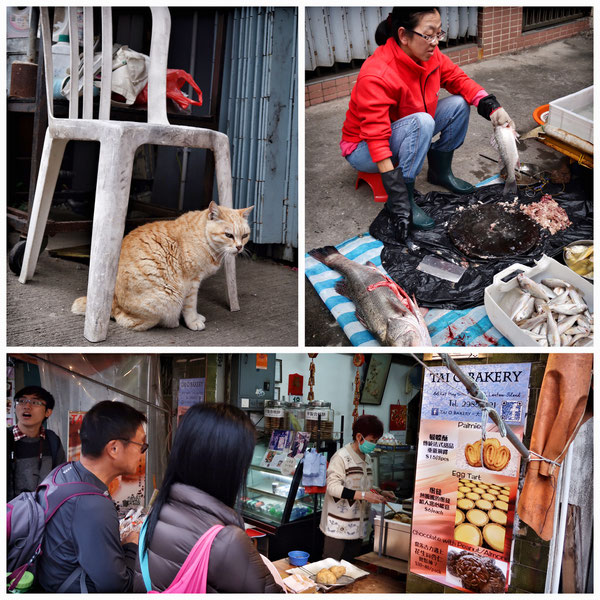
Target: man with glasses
<point x="395" y="112"/>
<point x="32" y="450"/>
<point x="82" y="550"/>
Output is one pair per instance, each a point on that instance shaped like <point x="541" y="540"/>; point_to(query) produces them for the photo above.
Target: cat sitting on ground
<point x="163" y="263"/>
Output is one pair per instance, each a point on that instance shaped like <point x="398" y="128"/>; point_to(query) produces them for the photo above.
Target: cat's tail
<point x="79" y="305"/>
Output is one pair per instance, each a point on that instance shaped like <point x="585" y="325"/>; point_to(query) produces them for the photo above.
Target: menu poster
<point x="465" y="494"/>
<point x="191" y="391"/>
<point x="127" y="491"/>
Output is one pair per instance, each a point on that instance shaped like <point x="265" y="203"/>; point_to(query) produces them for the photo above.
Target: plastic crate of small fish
<point x="544" y="305"/>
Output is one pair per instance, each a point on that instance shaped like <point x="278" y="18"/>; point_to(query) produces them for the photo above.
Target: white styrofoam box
<point x="396" y="538"/>
<point x="500" y="296"/>
<point x="565" y="114"/>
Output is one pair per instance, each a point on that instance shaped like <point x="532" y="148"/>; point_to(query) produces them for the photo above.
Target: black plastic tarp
<point x="400" y="259"/>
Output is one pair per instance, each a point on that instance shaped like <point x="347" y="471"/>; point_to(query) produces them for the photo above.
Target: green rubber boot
<point x="440" y="173"/>
<point x="420" y="219"/>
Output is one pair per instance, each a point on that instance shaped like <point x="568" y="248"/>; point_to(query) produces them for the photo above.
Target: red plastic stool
<point x="375" y="183"/>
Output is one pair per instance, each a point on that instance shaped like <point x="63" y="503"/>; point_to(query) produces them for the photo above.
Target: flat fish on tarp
<point x="492" y="231"/>
<point x="401" y="259"/>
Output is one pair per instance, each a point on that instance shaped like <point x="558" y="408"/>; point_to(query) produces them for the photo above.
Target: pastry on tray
<point x="338" y="571"/>
<point x="326" y="577"/>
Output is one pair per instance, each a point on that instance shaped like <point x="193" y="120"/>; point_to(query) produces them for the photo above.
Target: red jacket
<point x="391" y="85"/>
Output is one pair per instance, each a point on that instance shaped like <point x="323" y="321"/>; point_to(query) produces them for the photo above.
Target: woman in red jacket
<point x="394" y="113"/>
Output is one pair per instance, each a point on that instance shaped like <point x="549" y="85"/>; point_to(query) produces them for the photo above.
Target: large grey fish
<point x="505" y="141"/>
<point x="382" y="306"/>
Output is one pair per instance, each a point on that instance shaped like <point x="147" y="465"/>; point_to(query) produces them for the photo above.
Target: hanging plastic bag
<point x="129" y="75"/>
<point x="176" y="79"/>
<point x="314" y="473"/>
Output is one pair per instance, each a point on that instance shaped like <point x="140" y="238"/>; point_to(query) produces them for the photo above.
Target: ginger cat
<point x="163" y="263"/>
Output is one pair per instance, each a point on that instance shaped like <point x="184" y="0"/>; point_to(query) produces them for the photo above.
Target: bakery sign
<point x="466" y="482"/>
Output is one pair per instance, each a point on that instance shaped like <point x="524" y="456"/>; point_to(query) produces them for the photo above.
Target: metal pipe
<point x="106" y="385"/>
<point x="382" y="526"/>
<point x="186" y="150"/>
<point x="561" y="525"/>
<point x="34" y="21"/>
<point x="481" y="399"/>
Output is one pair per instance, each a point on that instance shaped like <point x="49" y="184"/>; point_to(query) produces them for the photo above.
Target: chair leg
<point x="115" y="166"/>
<point x="224" y="187"/>
<point x="52" y="155"/>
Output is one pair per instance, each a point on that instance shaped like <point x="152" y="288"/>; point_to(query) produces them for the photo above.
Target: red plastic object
<point x="254" y="533"/>
<point x="374" y="182"/>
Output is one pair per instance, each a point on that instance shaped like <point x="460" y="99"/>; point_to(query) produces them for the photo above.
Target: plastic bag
<point x="400" y="260"/>
<point x="129" y="75"/>
<point x="176" y="79"/>
<point x="315" y="469"/>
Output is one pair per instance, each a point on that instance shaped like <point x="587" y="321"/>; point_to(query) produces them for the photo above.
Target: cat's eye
<point x="244" y="236"/>
<point x="229" y="235"/>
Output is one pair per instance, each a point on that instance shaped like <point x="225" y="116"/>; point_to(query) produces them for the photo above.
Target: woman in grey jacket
<point x="206" y="470"/>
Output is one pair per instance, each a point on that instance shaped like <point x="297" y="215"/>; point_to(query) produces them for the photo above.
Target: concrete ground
<point x="39" y="313"/>
<point x="335" y="211"/>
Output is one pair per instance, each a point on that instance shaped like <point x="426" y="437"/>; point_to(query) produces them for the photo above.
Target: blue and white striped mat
<point x="470" y="327"/>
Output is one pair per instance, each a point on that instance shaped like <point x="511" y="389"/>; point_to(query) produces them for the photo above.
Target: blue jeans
<point x="411" y="137"/>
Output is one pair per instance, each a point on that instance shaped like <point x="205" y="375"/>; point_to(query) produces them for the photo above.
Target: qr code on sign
<point x="512" y="411"/>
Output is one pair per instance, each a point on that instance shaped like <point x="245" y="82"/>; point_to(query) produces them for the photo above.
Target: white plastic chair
<point x="118" y="143"/>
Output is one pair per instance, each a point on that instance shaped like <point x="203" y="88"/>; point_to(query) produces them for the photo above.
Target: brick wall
<point x="498" y="31"/>
<point x="530" y="556"/>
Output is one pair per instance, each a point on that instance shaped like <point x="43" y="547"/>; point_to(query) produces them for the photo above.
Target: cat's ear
<point x="246" y="211"/>
<point x="213" y="211"/>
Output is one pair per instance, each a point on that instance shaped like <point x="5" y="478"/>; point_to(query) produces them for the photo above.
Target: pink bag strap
<point x="193" y="574"/>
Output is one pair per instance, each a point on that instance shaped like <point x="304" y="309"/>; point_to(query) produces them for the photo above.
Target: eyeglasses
<point x="143" y="447"/>
<point x="22" y="401"/>
<point x="438" y="37"/>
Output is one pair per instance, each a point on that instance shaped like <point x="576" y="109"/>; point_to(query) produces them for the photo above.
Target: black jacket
<point x="234" y="565"/>
<point x="85" y="532"/>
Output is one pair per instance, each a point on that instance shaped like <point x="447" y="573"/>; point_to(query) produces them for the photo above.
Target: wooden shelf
<point x="385" y="562"/>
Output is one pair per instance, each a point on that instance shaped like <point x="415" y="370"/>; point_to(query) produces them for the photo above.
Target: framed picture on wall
<point x="276" y="393"/>
<point x="277" y="371"/>
<point x="376" y="378"/>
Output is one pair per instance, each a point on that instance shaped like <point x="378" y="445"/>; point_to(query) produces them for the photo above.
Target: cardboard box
<point x="501" y="296"/>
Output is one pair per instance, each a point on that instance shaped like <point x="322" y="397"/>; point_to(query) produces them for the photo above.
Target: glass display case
<point x="394" y="470"/>
<point x="274" y="498"/>
<point x="278" y="505"/>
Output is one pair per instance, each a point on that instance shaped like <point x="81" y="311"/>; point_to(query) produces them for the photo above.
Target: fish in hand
<point x="382" y="306"/>
<point x="505" y="141"/>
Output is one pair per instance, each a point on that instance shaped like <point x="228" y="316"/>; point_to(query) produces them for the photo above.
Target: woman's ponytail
<point x="400" y="17"/>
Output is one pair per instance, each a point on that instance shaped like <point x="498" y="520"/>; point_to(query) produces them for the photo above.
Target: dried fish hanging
<point x="359" y="361"/>
<point x="311" y="377"/>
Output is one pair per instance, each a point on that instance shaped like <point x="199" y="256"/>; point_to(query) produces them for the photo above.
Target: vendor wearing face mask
<point x="347" y="501"/>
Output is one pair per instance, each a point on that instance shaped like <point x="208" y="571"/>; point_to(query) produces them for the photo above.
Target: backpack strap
<point x="54" y="443"/>
<point x="66" y="584"/>
<point x="143" y="555"/>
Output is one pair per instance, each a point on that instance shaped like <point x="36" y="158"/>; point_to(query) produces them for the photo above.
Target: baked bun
<point x="326" y="577"/>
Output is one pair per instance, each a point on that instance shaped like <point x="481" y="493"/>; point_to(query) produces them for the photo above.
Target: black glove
<point x="487" y="106"/>
<point x="398" y="202"/>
